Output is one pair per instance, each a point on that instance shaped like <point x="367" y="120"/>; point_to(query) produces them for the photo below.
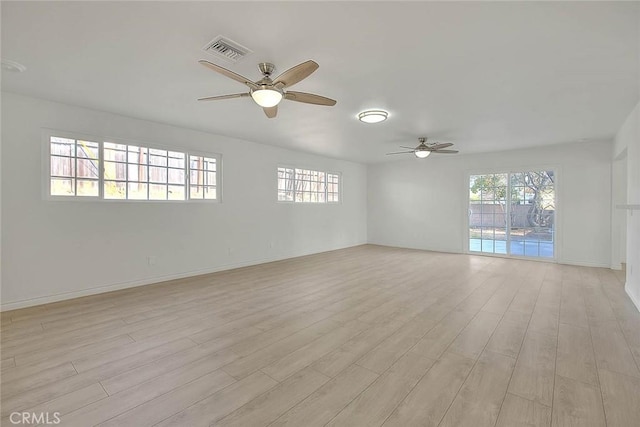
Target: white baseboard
<point x="458" y="251"/>
<point x="419" y="248"/>
<point x="156" y="279"/>
<point x="584" y="263"/>
<point x="631" y="296"/>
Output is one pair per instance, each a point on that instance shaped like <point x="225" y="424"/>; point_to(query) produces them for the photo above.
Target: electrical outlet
<point x="271" y="245"/>
<point x="151" y="260"/>
<point x="229" y="251"/>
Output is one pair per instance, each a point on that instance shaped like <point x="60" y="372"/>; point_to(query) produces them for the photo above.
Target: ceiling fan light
<point x="421" y="154"/>
<point x="373" y="116"/>
<point x="266" y="97"/>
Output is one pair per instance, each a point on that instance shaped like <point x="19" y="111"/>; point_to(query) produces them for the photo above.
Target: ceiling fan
<point x="423" y="149"/>
<point x="268" y="93"/>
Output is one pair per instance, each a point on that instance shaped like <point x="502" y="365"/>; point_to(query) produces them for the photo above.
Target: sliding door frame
<point x="557" y="229"/>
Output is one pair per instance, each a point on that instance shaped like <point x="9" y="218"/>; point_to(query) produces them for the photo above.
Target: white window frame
<point x="278" y="167"/>
<point x="339" y="188"/>
<point x="46" y="165"/>
<point x="557" y="241"/>
<point x="47" y="134"/>
<point x="326" y="186"/>
<point x="218" y="186"/>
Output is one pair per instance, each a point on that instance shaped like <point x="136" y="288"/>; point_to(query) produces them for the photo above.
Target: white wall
<point x="423" y="203"/>
<point x="618" y="216"/>
<point x="61" y="249"/>
<point x="628" y="138"/>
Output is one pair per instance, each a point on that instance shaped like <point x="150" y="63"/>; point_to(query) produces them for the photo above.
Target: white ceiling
<point x="485" y="76"/>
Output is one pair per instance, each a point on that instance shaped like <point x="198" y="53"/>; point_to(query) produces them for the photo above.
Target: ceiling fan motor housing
<point x="266" y="68"/>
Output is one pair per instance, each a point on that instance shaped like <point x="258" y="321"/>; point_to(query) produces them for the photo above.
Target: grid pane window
<point x="129" y="172"/>
<point x="74" y="167"/>
<point x="139" y="173"/>
<point x="202" y="177"/>
<point x="286" y="184"/>
<point x="310" y="186"/>
<point x="176" y="175"/>
<point x="115" y="171"/>
<point x="307" y="186"/>
<point x="488" y="213"/>
<point x="333" y="188"/>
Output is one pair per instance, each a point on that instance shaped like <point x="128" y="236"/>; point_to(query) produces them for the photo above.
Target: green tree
<point x="540" y="183"/>
<point x="494" y="187"/>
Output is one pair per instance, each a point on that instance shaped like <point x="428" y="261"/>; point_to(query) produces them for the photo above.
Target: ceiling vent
<point x="226" y="49"/>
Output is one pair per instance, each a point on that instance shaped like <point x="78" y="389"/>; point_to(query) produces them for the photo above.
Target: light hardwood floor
<point x="366" y="336"/>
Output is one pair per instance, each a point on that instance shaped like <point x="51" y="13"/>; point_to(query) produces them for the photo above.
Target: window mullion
<point x="75" y="168"/>
<point x="148" y="174"/>
<point x="126" y="172"/>
<point x="101" y="170"/>
<point x="326" y="188"/>
<point x="508" y="216"/>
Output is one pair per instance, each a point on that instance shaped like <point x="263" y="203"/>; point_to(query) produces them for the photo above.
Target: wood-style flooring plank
<point x="222" y="403"/>
<point x="323" y="405"/>
<point x="474" y="337"/>
<point x="59" y="388"/>
<point x="66" y="403"/>
<point x="576" y="404"/>
<point x="376" y="403"/>
<point x="535" y="369"/>
<point x="385" y="354"/>
<point x="367" y="335"/>
<point x="339" y="359"/>
<point x="311" y="352"/>
<point x="520" y="412"/>
<point x="438" y="339"/>
<point x="279" y="349"/>
<point x="119" y="403"/>
<point x="167" y="364"/>
<point x="427" y="403"/>
<point x="480" y="398"/>
<point x="172" y="402"/>
<point x="267" y="407"/>
<point x="508" y="336"/>
<point x="575" y="357"/>
<point x="620" y="395"/>
<point x="611" y="349"/>
<point x="7" y="363"/>
<point x="572" y="309"/>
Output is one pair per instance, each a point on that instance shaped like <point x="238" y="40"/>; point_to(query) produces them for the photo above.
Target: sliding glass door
<point x="488" y="213"/>
<point x="512" y="213"/>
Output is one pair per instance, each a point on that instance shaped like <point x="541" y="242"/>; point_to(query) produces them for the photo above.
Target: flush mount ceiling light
<point x="13" y="66"/>
<point x="373" y="116"/>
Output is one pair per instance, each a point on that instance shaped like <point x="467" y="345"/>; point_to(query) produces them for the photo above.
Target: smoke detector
<point x="226" y="49"/>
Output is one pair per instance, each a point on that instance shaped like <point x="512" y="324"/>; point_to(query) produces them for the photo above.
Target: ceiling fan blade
<point x="439" y="146"/>
<point x="445" y="151"/>
<point x="216" y="98"/>
<point x="309" y="98"/>
<point x="295" y="74"/>
<point x="229" y="73"/>
<point x="271" y="112"/>
<point x="409" y="148"/>
<point x="401" y="152"/>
